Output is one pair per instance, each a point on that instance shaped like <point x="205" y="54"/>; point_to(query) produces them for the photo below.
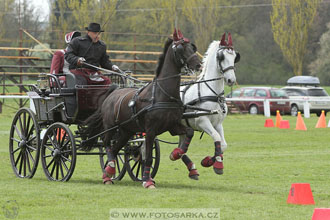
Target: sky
<point x="44" y="7"/>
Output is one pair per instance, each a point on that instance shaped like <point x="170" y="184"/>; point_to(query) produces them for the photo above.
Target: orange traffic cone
<point x="269" y="123"/>
<point x="300" y="193"/>
<point x="321" y="214"/>
<point x="321" y="123"/>
<point x="300" y="124"/>
<point x="278" y="119"/>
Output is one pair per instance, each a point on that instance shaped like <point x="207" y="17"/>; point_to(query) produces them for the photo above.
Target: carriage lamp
<point x="42" y="82"/>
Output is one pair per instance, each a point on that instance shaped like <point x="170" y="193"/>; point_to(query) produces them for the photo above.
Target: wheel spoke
<point x="24" y="164"/>
<point x="66" y="151"/>
<point x="21" y="126"/>
<point x="31" y="157"/>
<point x="50" y="163"/>
<point x="121" y="159"/>
<point x="57" y="170"/>
<point x="18" y="132"/>
<point x="49" y="148"/>
<point x="52" y="172"/>
<point x="47" y="156"/>
<point x="138" y="170"/>
<point x="18" y="157"/>
<point x="28" y="126"/>
<point x="29" y="140"/>
<point x="136" y="162"/>
<point x="66" y="168"/>
<point x="67" y="159"/>
<point x="61" y="168"/>
<point x="30" y="133"/>
<point x="65" y="144"/>
<point x="31" y="148"/>
<point x="13" y="152"/>
<point x="28" y="161"/>
<point x="118" y="165"/>
<point x="14" y="139"/>
<point x="53" y="141"/>
<point x="21" y="163"/>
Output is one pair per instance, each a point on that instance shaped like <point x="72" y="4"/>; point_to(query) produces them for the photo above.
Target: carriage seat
<point x="69" y="87"/>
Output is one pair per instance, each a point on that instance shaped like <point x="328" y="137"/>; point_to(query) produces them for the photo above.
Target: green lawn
<point x="260" y="166"/>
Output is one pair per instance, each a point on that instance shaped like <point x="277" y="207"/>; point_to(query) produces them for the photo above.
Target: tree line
<point x="277" y="39"/>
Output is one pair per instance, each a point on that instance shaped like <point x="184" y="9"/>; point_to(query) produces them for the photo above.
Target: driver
<point x="89" y="49"/>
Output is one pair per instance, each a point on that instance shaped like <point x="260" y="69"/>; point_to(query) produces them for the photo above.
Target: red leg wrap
<point x="218" y="165"/>
<point x="149" y="183"/>
<point x="106" y="179"/>
<point x="176" y="154"/>
<point x="193" y="173"/>
<point x="207" y="161"/>
<point x="110" y="170"/>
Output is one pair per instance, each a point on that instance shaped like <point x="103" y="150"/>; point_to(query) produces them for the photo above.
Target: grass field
<point x="260" y="166"/>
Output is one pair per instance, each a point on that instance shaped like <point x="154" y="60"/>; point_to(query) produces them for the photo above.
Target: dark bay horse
<point x="153" y="109"/>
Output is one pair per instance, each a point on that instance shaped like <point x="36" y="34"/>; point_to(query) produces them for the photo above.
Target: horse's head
<point x="227" y="57"/>
<point x="184" y="51"/>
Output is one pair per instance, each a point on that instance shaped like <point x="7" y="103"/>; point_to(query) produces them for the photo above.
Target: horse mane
<point x="161" y="58"/>
<point x="213" y="48"/>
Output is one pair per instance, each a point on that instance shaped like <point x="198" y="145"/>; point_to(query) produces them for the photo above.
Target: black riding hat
<point x="94" y="27"/>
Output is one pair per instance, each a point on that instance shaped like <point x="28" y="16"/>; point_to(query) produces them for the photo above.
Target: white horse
<point x="208" y="93"/>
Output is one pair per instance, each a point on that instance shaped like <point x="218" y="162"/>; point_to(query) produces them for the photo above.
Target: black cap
<point x="94" y="27"/>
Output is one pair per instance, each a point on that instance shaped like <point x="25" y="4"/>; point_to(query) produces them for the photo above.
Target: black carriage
<point x="52" y="129"/>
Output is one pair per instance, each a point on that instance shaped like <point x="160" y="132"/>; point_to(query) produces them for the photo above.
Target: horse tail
<point x="93" y="125"/>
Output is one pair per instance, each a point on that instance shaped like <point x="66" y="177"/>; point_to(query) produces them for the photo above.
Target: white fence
<point x="265" y="101"/>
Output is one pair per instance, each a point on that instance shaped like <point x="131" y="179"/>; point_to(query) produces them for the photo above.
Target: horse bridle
<point x="220" y="58"/>
<point x="178" y="50"/>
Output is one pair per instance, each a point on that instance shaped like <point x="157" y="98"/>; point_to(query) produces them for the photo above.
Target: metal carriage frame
<point x="44" y="131"/>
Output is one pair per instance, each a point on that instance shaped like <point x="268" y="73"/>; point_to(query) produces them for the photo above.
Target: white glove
<point x="115" y="68"/>
<point x="80" y="61"/>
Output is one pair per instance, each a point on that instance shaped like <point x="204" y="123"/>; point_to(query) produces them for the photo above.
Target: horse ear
<point x="180" y="35"/>
<point x="175" y="35"/>
<point x="230" y="41"/>
<point x="223" y="40"/>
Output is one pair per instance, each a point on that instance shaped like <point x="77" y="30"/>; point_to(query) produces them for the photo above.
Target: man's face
<point x="94" y="35"/>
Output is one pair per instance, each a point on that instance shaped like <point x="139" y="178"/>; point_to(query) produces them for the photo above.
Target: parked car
<point x="257" y="107"/>
<point x="304" y="88"/>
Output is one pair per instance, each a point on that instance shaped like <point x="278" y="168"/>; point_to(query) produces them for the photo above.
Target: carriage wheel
<point x="133" y="158"/>
<point x="24" y="143"/>
<point x="120" y="163"/>
<point x="58" y="152"/>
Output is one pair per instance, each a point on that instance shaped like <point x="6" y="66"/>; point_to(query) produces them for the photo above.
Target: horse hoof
<point x="207" y="161"/>
<point x="149" y="184"/>
<point x="107" y="180"/>
<point x="218" y="171"/>
<point x="194" y="177"/>
<point x="176" y="154"/>
<point x="218" y="165"/>
<point x="193" y="174"/>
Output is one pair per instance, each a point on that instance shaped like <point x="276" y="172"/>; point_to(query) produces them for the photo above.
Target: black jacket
<point x="94" y="53"/>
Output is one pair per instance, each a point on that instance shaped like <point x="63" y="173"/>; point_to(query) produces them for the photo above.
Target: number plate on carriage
<point x="281" y="102"/>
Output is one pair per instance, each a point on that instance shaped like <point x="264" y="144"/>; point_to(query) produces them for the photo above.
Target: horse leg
<point x="217" y="159"/>
<point x="147" y="181"/>
<point x="185" y="140"/>
<point x="181" y="153"/>
<point x="219" y="129"/>
<point x="110" y="169"/>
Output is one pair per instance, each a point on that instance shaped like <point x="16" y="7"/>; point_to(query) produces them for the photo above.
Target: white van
<point x="302" y="88"/>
